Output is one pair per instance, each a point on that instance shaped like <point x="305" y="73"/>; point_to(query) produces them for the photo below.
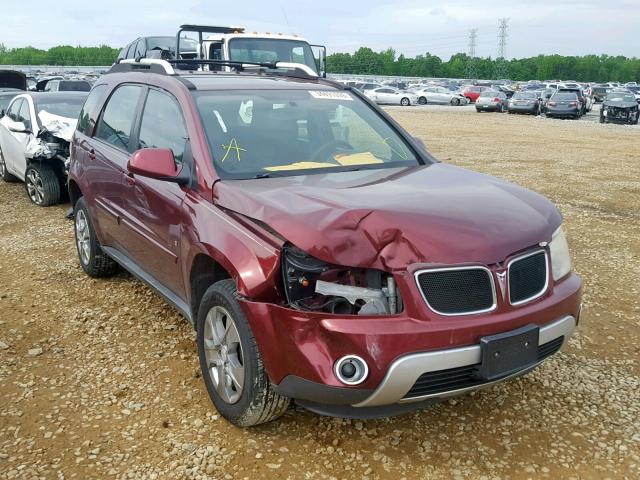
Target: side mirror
<point x="18" y="127"/>
<point x="157" y="163"/>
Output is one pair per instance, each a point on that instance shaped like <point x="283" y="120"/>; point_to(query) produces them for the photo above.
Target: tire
<point x="93" y="260"/>
<point x="602" y="119"/>
<point x="42" y="185"/>
<point x="455" y="102"/>
<point x="405" y="102"/>
<point x="422" y="101"/>
<point x="4" y="174"/>
<point x="220" y="322"/>
<point x="478" y="110"/>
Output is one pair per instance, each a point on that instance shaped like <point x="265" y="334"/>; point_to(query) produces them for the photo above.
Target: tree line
<point x="588" y="68"/>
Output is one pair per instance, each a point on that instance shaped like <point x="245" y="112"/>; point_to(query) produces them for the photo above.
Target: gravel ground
<point x="99" y="378"/>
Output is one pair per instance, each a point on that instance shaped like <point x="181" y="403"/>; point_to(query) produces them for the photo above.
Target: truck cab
<point x="235" y="44"/>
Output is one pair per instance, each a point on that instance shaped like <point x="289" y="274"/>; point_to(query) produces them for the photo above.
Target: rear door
<point x="107" y="156"/>
<point x="152" y="213"/>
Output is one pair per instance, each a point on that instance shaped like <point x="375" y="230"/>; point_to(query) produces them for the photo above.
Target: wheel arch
<point x="74" y="192"/>
<point x="204" y="272"/>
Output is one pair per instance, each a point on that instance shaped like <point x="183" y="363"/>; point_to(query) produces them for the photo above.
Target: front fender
<point x="250" y="258"/>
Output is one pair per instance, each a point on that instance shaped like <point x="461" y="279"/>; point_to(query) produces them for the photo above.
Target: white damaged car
<point x="35" y="134"/>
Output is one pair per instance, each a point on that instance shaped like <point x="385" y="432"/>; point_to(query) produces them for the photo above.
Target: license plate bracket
<point x="506" y="353"/>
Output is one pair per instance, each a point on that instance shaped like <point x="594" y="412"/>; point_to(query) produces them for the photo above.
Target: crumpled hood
<point x="389" y="219"/>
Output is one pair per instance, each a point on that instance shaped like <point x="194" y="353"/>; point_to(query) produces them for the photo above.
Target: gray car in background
<point x="491" y="101"/>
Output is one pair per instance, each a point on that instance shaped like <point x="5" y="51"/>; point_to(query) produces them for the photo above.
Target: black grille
<point x="457" y="291"/>
<point x="527" y="277"/>
<point x="464" y="377"/>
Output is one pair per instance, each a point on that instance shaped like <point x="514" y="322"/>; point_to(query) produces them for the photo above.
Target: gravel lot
<point x="99" y="379"/>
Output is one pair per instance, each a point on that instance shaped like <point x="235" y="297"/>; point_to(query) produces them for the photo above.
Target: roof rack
<point x="166" y="67"/>
<point x="143" y="64"/>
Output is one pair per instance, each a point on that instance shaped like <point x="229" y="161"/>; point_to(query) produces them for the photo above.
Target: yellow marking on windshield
<point x="299" y="166"/>
<point x="401" y="152"/>
<point x="233" y="145"/>
<point x="362" y="158"/>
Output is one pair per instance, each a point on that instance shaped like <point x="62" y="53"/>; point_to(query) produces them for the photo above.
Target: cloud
<point x="568" y="27"/>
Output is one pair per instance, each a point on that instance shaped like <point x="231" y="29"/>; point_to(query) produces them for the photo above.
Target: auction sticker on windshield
<point x="330" y="95"/>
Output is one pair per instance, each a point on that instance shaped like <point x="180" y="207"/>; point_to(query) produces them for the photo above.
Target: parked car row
<point x="324" y="258"/>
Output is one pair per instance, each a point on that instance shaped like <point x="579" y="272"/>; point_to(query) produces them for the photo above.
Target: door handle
<point x="92" y="154"/>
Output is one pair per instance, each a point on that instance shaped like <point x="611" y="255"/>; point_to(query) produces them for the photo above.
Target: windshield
<point x="187" y="45"/>
<point x="271" y="50"/>
<point x="64" y="106"/>
<point x="525" y="96"/>
<point x="284" y="132"/>
<point x="620" y="97"/>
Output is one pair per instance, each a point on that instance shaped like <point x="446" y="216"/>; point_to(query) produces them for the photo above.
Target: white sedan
<point x="392" y="96"/>
<point x="439" y="95"/>
<point x="34" y="142"/>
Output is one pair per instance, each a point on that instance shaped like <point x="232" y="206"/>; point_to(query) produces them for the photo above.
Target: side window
<point x="115" y="125"/>
<point x="141" y="49"/>
<point x="89" y="112"/>
<point x="162" y="125"/>
<point x="14" y="110"/>
<point x="25" y="115"/>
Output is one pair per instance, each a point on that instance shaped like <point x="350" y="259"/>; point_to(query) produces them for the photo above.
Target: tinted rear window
<point x="565" y="96"/>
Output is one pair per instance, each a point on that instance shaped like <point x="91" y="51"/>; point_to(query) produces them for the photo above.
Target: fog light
<point x="351" y="370"/>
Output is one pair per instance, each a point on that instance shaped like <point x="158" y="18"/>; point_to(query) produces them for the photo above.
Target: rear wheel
<point x="230" y="361"/>
<point x="42" y="185"/>
<point x="93" y="260"/>
<point x="422" y="100"/>
<point x="4" y="173"/>
<point x="405" y="102"/>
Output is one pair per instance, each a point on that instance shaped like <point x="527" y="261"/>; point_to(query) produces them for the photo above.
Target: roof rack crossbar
<point x="165" y="65"/>
<point x="239" y="65"/>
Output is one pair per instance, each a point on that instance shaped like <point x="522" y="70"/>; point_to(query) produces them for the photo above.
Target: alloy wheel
<point x="223" y="352"/>
<point x="83" y="238"/>
<point x="35" y="189"/>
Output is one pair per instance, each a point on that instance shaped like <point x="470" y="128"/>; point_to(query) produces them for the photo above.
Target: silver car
<point x="392" y="96"/>
<point x="440" y="96"/>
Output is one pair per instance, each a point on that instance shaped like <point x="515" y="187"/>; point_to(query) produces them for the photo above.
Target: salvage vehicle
<point x="321" y="253"/>
<point x="392" y="96"/>
<point x="439" y="96"/>
<point x="529" y="101"/>
<point x="564" y="105"/>
<point x="34" y="142"/>
<point x="491" y="101"/>
<point x="620" y="107"/>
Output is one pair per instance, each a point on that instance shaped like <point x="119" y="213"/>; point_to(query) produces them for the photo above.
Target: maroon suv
<point x="321" y="253"/>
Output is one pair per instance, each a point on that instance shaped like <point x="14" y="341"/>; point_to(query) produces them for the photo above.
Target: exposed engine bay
<point x="53" y="139"/>
<point x="312" y="284"/>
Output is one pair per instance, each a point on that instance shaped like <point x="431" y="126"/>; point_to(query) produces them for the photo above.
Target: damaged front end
<point x="314" y="285"/>
<point x="53" y="140"/>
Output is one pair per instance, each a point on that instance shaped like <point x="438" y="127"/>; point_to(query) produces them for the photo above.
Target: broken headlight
<point x="312" y="284"/>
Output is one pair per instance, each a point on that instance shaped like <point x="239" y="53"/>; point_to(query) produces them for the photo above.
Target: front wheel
<point x="230" y="361"/>
<point x="455" y="102"/>
<point x="405" y="102"/>
<point x="42" y="185"/>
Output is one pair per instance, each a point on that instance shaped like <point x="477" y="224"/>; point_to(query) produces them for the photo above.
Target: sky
<point x="565" y="27"/>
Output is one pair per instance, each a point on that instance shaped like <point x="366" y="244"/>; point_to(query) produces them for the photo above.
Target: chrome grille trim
<point x="546" y="276"/>
<point x="457" y="269"/>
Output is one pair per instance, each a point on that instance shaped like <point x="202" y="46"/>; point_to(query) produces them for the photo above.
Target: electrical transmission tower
<point x="472" y="71"/>
<point x="502" y="68"/>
